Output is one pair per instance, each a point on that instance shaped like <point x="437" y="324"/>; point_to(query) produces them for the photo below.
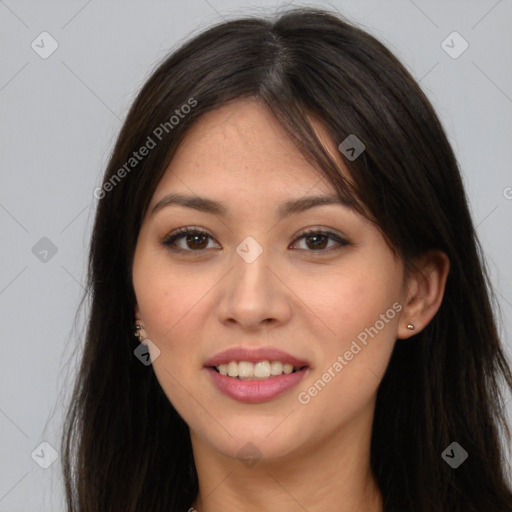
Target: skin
<point x="309" y="302"/>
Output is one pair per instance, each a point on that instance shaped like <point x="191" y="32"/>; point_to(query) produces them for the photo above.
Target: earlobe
<point x="138" y="325"/>
<point x="426" y="285"/>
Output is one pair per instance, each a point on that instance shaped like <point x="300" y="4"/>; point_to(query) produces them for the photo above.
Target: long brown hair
<point x="125" y="448"/>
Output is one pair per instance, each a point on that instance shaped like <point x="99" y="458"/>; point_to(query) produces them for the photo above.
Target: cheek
<point x="353" y="360"/>
<point x="170" y="303"/>
<point x="354" y="298"/>
<point x="174" y="304"/>
<point x="360" y="309"/>
<point x="167" y="295"/>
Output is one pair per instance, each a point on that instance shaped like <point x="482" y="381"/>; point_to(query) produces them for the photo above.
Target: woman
<point x="283" y="226"/>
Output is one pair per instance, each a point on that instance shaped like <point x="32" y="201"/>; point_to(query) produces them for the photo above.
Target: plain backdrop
<point x="60" y="116"/>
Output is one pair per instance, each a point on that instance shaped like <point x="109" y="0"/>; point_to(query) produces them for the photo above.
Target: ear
<point x="424" y="292"/>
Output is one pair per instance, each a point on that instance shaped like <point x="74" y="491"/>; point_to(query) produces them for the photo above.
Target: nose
<point x="253" y="294"/>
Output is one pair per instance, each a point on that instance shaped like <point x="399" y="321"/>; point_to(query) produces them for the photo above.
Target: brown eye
<point x="195" y="240"/>
<point x="317" y="240"/>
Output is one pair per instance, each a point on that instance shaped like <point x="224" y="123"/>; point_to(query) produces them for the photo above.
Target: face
<point x="319" y="284"/>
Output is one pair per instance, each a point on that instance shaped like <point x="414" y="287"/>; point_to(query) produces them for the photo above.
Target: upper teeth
<point x="245" y="370"/>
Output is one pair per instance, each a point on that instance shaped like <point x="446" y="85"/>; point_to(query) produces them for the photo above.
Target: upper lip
<point x="255" y="355"/>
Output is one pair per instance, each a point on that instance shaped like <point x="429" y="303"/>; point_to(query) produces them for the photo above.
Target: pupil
<point x="316" y="244"/>
<point x="193" y="237"/>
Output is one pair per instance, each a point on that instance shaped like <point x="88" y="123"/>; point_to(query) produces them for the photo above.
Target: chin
<point x="267" y="440"/>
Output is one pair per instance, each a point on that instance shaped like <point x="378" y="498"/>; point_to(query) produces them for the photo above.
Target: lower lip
<point x="256" y="390"/>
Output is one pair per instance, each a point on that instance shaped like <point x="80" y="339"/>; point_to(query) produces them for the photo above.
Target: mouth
<point x="252" y="375"/>
<point x="261" y="370"/>
<point x="245" y="381"/>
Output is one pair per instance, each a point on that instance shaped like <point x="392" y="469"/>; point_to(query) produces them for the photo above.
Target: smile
<point x="256" y="389"/>
<point x="247" y="370"/>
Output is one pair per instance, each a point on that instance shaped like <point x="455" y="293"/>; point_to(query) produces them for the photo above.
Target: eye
<point x="319" y="237"/>
<point x="196" y="240"/>
<point x="193" y="236"/>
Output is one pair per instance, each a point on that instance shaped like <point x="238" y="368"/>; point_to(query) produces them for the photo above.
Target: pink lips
<point x="252" y="391"/>
<point x="256" y="390"/>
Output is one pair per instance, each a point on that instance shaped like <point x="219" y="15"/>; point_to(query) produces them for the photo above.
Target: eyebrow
<point x="204" y="204"/>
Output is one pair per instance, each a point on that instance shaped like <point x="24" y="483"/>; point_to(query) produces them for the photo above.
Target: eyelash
<point x="170" y="239"/>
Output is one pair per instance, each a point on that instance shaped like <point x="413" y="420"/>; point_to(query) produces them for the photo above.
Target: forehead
<point x="241" y="148"/>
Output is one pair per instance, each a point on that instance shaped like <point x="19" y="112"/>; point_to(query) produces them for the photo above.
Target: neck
<point x="333" y="474"/>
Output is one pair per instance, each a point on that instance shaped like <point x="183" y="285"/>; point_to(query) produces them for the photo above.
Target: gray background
<point x="59" y="119"/>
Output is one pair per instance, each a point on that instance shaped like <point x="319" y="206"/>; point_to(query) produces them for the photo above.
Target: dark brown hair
<point x="125" y="448"/>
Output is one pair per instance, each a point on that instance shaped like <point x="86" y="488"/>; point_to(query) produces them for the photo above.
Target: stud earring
<point x="137" y="333"/>
<point x="410" y="327"/>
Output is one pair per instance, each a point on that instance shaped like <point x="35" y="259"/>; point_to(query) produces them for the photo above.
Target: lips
<point x="254" y="390"/>
<point x="255" y="355"/>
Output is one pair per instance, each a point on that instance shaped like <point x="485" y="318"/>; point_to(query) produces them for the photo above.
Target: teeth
<point x="246" y="370"/>
<point x="287" y="368"/>
<point x="276" y="368"/>
<point x="232" y="369"/>
<point x="262" y="369"/>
